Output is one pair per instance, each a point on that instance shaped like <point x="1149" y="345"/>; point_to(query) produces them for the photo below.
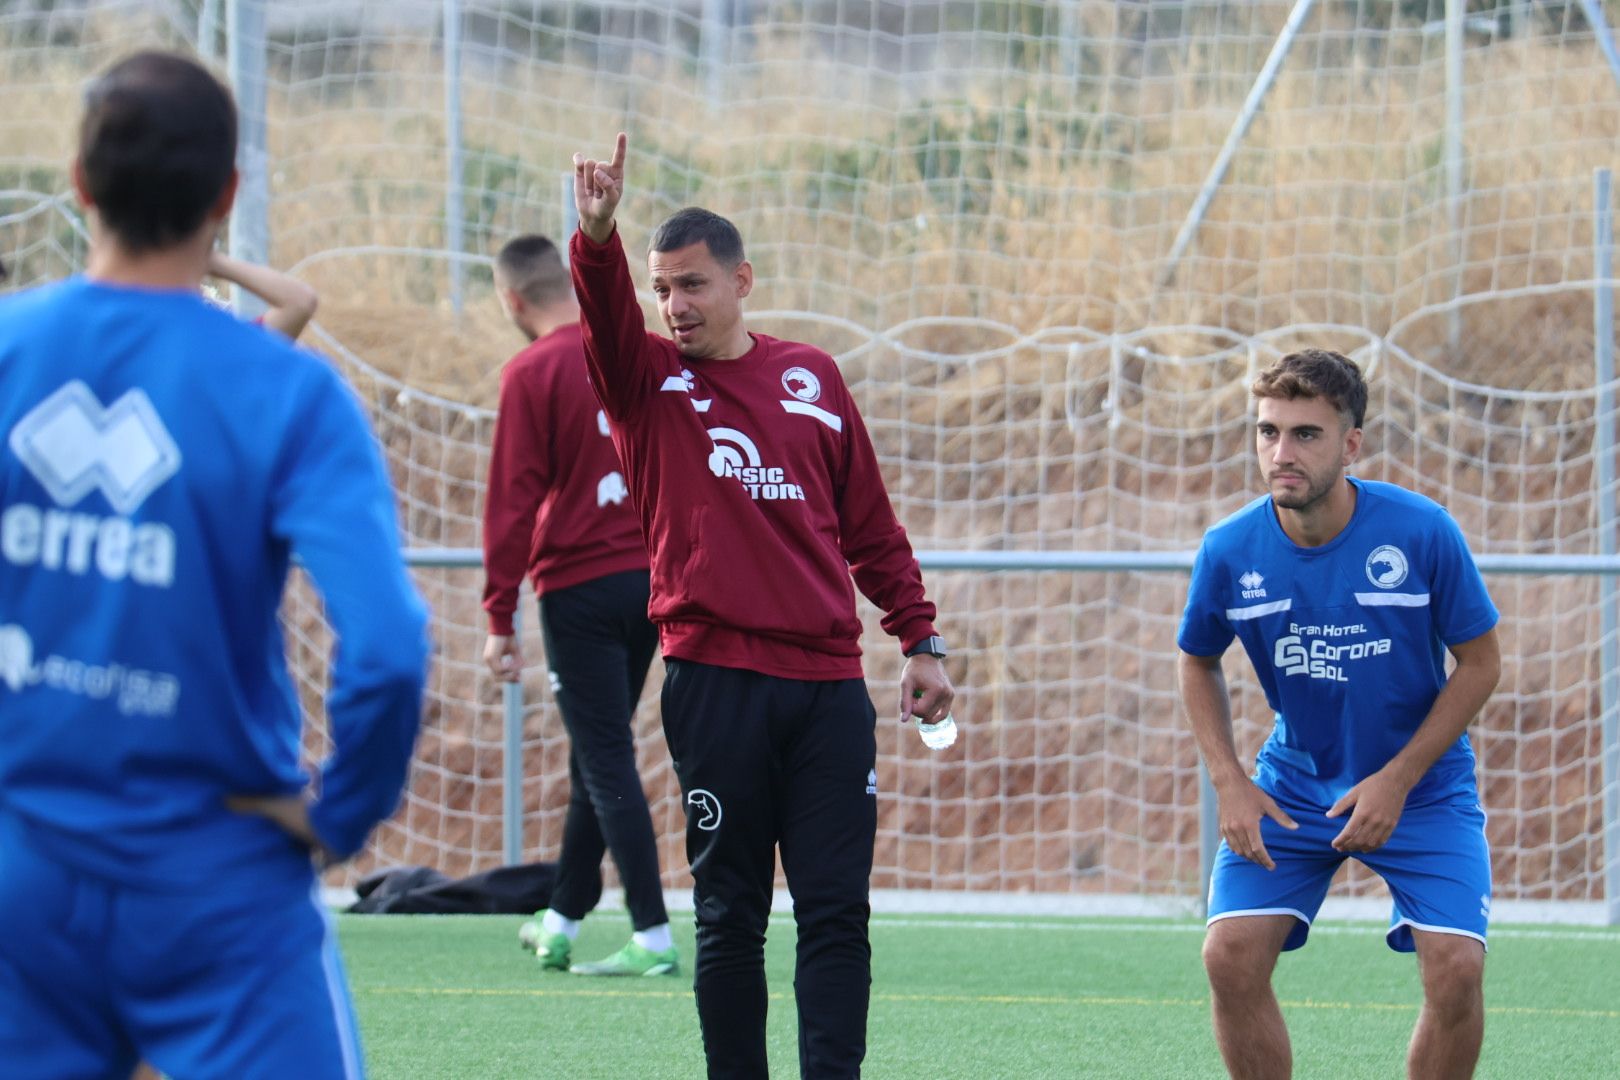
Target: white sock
<point x="654" y="938"/>
<point x="553" y="923"/>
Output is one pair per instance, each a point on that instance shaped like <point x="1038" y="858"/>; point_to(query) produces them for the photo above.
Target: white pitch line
<point x="1509" y="932"/>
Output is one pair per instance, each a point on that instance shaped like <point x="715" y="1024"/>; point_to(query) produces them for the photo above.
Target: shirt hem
<point x="545" y="581"/>
<point x="729" y="648"/>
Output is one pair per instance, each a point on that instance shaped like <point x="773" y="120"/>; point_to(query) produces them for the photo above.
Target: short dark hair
<point x="158" y="146"/>
<point x="1317" y="373"/>
<point x="533" y="267"/>
<point x="686" y="227"/>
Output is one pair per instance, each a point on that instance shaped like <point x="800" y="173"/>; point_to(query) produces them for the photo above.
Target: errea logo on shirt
<point x="73" y="446"/>
<point x="737" y="456"/>
<point x="686" y="383"/>
<point x="1251" y="583"/>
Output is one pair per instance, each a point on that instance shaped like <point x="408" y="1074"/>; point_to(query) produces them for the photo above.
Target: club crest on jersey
<point x="1252" y="583"/>
<point x="736" y="455"/>
<point x="1386" y="566"/>
<point x="802" y="384"/>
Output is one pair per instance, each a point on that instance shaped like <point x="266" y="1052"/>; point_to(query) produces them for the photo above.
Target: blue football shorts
<point x="240" y="981"/>
<point x="1436" y="865"/>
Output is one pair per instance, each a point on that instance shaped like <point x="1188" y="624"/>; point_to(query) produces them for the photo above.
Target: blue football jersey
<point x="162" y="463"/>
<point x="1347" y="639"/>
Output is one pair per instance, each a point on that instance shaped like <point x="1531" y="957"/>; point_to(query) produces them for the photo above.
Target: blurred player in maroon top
<point x="557" y="510"/>
<point x="759" y="494"/>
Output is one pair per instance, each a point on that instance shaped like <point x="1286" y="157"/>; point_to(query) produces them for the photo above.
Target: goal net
<point x="987" y="212"/>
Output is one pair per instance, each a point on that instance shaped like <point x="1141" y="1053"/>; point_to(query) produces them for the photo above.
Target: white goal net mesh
<point x="976" y="207"/>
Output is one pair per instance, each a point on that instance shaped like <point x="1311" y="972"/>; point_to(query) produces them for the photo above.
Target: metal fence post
<point x="512" y="759"/>
<point x="570" y="215"/>
<point x="714" y="44"/>
<point x="1453" y="157"/>
<point x="1605" y="39"/>
<point x="1608" y="589"/>
<point x="250" y="220"/>
<point x="454" y="227"/>
<point x="208" y="30"/>
<point x="1070" y="45"/>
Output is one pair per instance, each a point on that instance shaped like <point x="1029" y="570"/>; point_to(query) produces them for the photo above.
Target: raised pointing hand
<point x="598" y="185"/>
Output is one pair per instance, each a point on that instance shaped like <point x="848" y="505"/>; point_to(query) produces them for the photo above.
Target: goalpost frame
<point x="1606" y="565"/>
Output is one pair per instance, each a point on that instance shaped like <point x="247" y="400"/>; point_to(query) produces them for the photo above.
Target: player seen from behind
<point x="557" y="510"/>
<point x="163" y="463"/>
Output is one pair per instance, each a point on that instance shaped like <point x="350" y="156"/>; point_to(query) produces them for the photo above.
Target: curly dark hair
<point x="1317" y="373"/>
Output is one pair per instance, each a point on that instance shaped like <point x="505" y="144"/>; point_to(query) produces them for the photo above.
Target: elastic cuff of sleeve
<point x="590" y="247"/>
<point x="336" y="848"/>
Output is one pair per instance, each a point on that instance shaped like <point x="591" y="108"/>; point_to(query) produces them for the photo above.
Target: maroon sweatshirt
<point x="557" y="506"/>
<point x="758" y="490"/>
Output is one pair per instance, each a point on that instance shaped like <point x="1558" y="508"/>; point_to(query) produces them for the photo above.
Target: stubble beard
<point x="1313" y="494"/>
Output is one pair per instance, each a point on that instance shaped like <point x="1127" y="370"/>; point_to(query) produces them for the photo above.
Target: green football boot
<point x="633" y="959"/>
<point x="552" y="950"/>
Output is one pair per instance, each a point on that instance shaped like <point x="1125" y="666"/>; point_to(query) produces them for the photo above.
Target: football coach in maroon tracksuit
<point x="759" y="493"/>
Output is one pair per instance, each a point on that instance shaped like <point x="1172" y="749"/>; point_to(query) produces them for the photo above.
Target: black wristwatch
<point x="933" y="646"/>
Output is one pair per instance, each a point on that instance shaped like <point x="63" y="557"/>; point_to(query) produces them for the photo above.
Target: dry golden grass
<point x="1030" y="200"/>
<point x="1333" y="212"/>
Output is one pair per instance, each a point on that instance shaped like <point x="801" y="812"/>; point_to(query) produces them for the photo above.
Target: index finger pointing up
<point x="618" y="151"/>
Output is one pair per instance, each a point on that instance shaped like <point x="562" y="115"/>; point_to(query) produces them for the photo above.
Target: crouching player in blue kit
<point x="162" y="463"/>
<point x="1346" y="595"/>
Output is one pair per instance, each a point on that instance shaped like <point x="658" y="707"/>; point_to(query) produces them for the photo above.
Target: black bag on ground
<point x="418" y="890"/>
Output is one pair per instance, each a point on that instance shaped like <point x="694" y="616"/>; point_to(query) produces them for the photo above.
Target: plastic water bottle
<point x="938" y="736"/>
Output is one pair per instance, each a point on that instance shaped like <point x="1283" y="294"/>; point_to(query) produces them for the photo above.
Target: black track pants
<point x="762" y="762"/>
<point x="599" y="645"/>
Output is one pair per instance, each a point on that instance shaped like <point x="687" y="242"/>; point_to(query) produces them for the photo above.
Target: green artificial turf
<point x="972" y="998"/>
